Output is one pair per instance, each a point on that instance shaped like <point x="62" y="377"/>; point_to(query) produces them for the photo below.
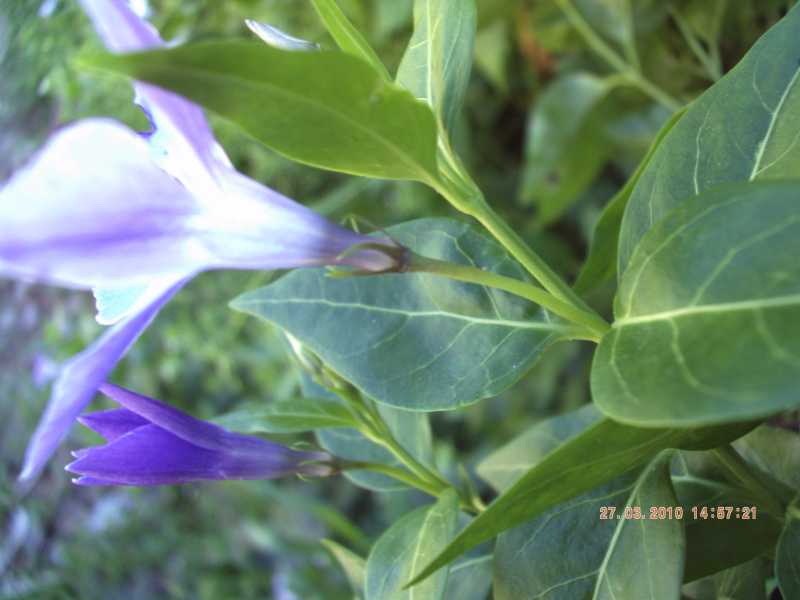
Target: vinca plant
<point x="678" y="480"/>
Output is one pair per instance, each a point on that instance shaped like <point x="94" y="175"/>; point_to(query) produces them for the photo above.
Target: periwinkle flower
<point x="151" y="443"/>
<point x="133" y="217"/>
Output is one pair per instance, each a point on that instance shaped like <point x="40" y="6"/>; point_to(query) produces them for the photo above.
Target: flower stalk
<point x="593" y="327"/>
<point x="374" y="428"/>
<point x="629" y="70"/>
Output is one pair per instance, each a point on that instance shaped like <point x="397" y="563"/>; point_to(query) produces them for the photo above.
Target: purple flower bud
<point x="151" y="443"/>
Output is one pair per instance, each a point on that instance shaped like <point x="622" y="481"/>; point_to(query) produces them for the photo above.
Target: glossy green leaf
<point x="294" y="415"/>
<point x="470" y="579"/>
<point x="565" y="146"/>
<point x="354" y="567"/>
<point x="613" y="19"/>
<point x="327" y="109"/>
<point x="415" y="341"/>
<point x="707" y="325"/>
<point x="437" y="62"/>
<point x="742" y="582"/>
<point x="775" y="451"/>
<point x="493" y="49"/>
<point x="347" y="37"/>
<point x="504" y="466"/>
<point x="743" y="128"/>
<point x="627" y="559"/>
<point x="714" y="545"/>
<point x="645" y="557"/>
<point x="787" y="558"/>
<point x="601" y="263"/>
<point x="599" y="454"/>
<point x="411" y="542"/>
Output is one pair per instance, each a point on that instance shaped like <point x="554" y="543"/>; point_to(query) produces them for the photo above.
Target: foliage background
<point x="550" y="138"/>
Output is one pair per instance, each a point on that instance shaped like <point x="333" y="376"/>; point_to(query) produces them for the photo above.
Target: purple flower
<point x="151" y="443"/>
<point x="134" y="217"/>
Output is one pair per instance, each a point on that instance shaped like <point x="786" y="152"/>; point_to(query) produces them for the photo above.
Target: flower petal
<point x="151" y="455"/>
<point x="258" y="228"/>
<point x="80" y="379"/>
<point x="276" y="38"/>
<point x="115" y="303"/>
<point x="184" y="426"/>
<point x="194" y="431"/>
<point x="182" y="134"/>
<point x="92" y="209"/>
<point x="112" y="424"/>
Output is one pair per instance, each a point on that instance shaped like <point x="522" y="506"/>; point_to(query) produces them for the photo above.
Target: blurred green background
<point x="547" y="131"/>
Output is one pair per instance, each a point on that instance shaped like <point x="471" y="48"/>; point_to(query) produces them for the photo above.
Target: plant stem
<point x="477" y="207"/>
<point x="396" y="473"/>
<point x="376" y="429"/>
<point x="386" y="438"/>
<point x="590" y="321"/>
<point x="744" y="474"/>
<point x="602" y="49"/>
<point x="710" y="61"/>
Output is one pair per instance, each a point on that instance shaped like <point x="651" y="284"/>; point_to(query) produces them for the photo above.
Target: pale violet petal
<point x="182" y="136"/>
<point x="115" y="303"/>
<point x="80" y="379"/>
<point x="258" y="228"/>
<point x="91" y="209"/>
<point x="277" y="38"/>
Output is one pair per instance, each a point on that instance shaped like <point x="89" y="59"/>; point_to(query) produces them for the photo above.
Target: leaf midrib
<point x="552" y="327"/>
<point x="754" y="304"/>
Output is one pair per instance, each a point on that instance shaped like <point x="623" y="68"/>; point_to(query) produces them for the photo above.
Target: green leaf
<point x="787" y="558"/>
<point x="347" y="37"/>
<point x="743" y="128"/>
<point x="613" y="19"/>
<point x="775" y="451"/>
<point x="437" y="62"/>
<point x="470" y="579"/>
<point x="504" y="466"/>
<point x="415" y="341"/>
<point x="707" y="323"/>
<point x="411" y="542"/>
<point x="601" y="263"/>
<point x="354" y="567"/>
<point x="714" y="545"/>
<point x="326" y="109"/>
<point x="565" y="146"/>
<point x="743" y="582"/>
<point x="492" y="52"/>
<point x="602" y="452"/>
<point x="288" y="416"/>
<point x="626" y="559"/>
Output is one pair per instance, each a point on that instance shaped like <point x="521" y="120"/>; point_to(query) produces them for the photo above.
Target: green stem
<point x="386" y="439"/>
<point x="596" y="327"/>
<point x="476" y="207"/>
<point x="743" y="473"/>
<point x="602" y="49"/>
<point x="710" y="62"/>
<point x="375" y="429"/>
<point x="400" y="475"/>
